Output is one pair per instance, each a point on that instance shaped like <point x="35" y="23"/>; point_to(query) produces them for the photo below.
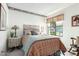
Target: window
<point x="55" y="25"/>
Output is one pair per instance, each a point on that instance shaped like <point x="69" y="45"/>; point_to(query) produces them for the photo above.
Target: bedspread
<point x="46" y="47"/>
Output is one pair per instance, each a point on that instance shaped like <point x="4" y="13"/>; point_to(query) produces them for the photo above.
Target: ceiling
<point x="40" y="8"/>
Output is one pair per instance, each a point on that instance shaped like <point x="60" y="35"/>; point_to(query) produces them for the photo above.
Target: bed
<point x="40" y="45"/>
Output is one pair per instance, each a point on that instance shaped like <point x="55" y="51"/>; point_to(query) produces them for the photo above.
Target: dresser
<point x="13" y="42"/>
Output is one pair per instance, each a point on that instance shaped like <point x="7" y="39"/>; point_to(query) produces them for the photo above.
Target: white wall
<point x="68" y="30"/>
<point x="3" y="34"/>
<point x="20" y="18"/>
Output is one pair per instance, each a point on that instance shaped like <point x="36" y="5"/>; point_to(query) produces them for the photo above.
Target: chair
<point x="73" y="45"/>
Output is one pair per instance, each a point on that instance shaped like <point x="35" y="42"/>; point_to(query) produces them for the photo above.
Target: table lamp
<point x="15" y="27"/>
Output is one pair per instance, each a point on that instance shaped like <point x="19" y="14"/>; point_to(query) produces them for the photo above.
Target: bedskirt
<point x="46" y="47"/>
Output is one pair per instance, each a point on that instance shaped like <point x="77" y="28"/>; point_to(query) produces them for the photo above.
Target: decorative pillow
<point x="26" y="32"/>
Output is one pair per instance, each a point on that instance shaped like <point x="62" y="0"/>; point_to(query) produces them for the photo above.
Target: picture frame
<point x="75" y="20"/>
<point x="2" y="18"/>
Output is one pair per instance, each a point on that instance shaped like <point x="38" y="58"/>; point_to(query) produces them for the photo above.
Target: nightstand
<point x="13" y="42"/>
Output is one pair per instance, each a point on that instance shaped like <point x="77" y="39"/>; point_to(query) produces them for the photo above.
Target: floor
<point x="18" y="52"/>
<point x="69" y="54"/>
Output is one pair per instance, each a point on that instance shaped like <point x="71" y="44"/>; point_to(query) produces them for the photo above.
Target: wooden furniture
<point x="73" y="45"/>
<point x="13" y="42"/>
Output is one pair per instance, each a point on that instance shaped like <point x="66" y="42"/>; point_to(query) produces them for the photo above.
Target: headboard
<point x="27" y="29"/>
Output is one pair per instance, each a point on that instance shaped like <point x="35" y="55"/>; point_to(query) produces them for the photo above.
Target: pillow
<point x="26" y="32"/>
<point x="34" y="33"/>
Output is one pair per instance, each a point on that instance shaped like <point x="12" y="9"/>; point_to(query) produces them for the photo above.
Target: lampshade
<point x="15" y="27"/>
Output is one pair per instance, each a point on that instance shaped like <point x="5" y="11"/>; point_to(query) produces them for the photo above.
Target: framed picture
<point x="75" y="20"/>
<point x="2" y="18"/>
